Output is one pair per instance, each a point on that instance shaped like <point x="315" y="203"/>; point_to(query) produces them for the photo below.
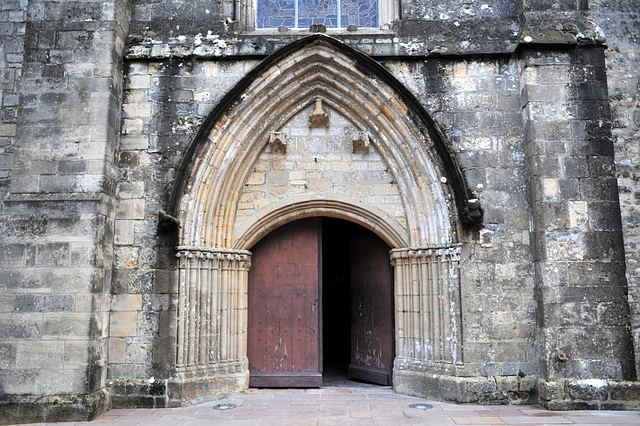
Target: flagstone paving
<point x="352" y="406"/>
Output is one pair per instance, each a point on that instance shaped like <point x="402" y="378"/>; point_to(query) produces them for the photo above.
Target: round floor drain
<point x="421" y="406"/>
<point x="224" y="406"/>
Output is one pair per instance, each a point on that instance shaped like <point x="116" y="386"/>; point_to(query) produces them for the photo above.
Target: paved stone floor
<point x="352" y="406"/>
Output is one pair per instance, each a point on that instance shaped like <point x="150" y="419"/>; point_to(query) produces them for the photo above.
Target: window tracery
<point x="331" y="13"/>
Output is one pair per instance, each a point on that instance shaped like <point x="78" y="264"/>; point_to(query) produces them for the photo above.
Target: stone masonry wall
<point x="90" y="146"/>
<point x="576" y="229"/>
<point x="620" y="22"/>
<point x="476" y="103"/>
<point x="13" y="17"/>
<point x="164" y="103"/>
<point x="320" y="162"/>
<point x="57" y="221"/>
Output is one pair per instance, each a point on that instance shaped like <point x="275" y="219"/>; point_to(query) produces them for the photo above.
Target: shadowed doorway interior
<point x="320" y="306"/>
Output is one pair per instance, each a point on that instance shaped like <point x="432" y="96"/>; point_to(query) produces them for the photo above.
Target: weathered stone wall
<point x="164" y="103"/>
<point x="321" y="162"/>
<point x="13" y="17"/>
<point x="620" y="22"/>
<point x="57" y="222"/>
<point x="477" y="105"/>
<point x="576" y="178"/>
<point x="90" y="148"/>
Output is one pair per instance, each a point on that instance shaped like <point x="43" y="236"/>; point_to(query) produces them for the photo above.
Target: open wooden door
<point x="284" y="345"/>
<point x="372" y="324"/>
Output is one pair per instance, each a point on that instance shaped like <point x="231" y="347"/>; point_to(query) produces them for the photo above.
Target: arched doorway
<point x="342" y="139"/>
<point x="320" y="301"/>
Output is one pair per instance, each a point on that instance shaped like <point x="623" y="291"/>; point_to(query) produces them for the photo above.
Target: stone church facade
<point x="160" y="161"/>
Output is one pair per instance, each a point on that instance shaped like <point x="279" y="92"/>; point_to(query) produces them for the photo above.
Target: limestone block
<point x="256" y="178"/>
<point x="126" y="302"/>
<point x="8" y="354"/>
<point x="44" y="302"/>
<point x="126" y="257"/>
<point x="131" y="209"/>
<point x="124" y="232"/>
<point x="69" y="325"/>
<point x="76" y="355"/>
<point x="123" y="324"/>
<point x="117" y="347"/>
<point x="507" y="384"/>
<point x="40" y="354"/>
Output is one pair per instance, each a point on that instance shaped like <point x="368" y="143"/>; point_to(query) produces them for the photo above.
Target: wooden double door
<point x="320" y="299"/>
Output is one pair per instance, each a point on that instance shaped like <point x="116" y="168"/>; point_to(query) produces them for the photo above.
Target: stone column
<point x="212" y="321"/>
<point x="427" y="304"/>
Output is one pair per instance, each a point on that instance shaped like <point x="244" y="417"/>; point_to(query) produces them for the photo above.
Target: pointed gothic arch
<point x="213" y="245"/>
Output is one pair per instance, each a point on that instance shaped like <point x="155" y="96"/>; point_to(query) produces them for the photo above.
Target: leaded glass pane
<point x="363" y="13"/>
<point x="318" y="12"/>
<point x="274" y="13"/>
<point x="303" y="13"/>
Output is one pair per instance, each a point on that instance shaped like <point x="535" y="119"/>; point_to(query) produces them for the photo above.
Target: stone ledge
<point x="175" y="392"/>
<point x="592" y="394"/>
<point x="17" y="409"/>
<point x="484" y="390"/>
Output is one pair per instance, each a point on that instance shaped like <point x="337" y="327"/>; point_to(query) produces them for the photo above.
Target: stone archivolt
<point x="319" y="70"/>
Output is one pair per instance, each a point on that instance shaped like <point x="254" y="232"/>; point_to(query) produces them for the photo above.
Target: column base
<point x="189" y="391"/>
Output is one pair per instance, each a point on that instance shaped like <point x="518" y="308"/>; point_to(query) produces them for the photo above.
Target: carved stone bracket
<point x="361" y="141"/>
<point x="473" y="213"/>
<point x="278" y="142"/>
<point x="319" y="118"/>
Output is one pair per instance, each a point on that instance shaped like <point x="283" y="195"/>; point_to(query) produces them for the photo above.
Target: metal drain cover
<point x="421" y="406"/>
<point x="224" y="406"/>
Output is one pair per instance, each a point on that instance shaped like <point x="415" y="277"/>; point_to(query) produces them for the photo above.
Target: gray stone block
<point x="44" y="302"/>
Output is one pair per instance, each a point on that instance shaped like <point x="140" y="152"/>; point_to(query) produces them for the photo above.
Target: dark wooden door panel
<point x="372" y="309"/>
<point x="283" y="341"/>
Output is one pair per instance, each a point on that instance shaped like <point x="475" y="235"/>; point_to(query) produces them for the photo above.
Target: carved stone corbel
<point x="318" y="117"/>
<point x="473" y="212"/>
<point x="278" y="142"/>
<point x="361" y="141"/>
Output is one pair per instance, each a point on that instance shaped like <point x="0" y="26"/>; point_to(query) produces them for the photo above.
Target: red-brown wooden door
<point x="372" y="321"/>
<point x="285" y="308"/>
<point x="284" y="345"/>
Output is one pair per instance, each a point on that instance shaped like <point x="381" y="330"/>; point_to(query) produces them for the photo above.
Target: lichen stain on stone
<point x="399" y="105"/>
<point x="220" y="124"/>
<point x="388" y="113"/>
<point x="186" y="125"/>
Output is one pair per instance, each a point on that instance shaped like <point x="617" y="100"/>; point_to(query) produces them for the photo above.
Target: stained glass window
<point x="303" y="13"/>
